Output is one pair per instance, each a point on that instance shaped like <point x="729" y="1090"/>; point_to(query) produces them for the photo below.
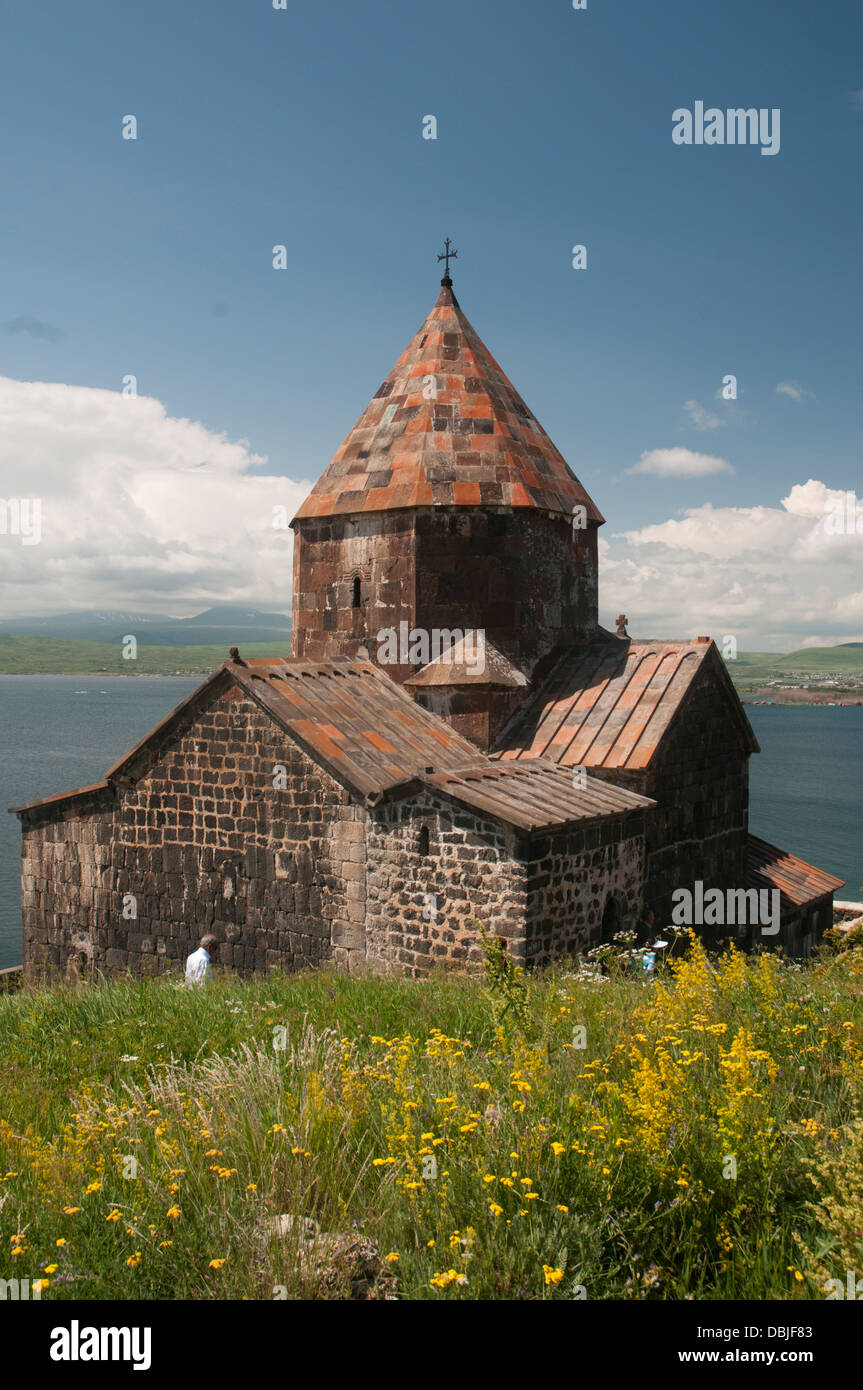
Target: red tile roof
<point x="797" y="881"/>
<point x="359" y="724"/>
<point x="348" y="715"/>
<point x="609" y="704"/>
<point x="473" y="444"/>
<point x="535" y="795"/>
<point x="353" y="719"/>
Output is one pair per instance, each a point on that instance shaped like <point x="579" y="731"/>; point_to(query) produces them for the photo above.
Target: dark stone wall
<point x="528" y="579"/>
<point x="700" y="779"/>
<point x="701" y="782"/>
<point x="473" y="711"/>
<point x="421" y="905"/>
<point x="203" y="842"/>
<point x="545" y="894"/>
<point x="379" y="550"/>
<point x="801" y="929"/>
<point x="573" y="876"/>
<point x="200" y="840"/>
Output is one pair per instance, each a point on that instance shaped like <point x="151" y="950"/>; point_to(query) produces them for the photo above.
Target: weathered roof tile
<point x="797" y="881"/>
<point x="608" y="704"/>
<point x="490" y="452"/>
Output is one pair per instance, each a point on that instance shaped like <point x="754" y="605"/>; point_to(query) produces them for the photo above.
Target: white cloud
<point x="139" y="509"/>
<point x="679" y="463"/>
<point x="772" y="576"/>
<point x="856" y="99"/>
<point x="702" y="418"/>
<point x="794" y="391"/>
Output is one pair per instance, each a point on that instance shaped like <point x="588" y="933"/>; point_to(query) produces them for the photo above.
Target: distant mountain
<point x="224" y="625"/>
<point x="224" y="613"/>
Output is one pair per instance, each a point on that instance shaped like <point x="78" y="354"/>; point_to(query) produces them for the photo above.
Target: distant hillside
<point x="846" y="659"/>
<point x="23" y="654"/>
<point x="226" y="625"/>
<point x="54" y="656"/>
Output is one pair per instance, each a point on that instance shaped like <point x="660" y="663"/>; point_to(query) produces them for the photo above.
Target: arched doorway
<point x="611" y="918"/>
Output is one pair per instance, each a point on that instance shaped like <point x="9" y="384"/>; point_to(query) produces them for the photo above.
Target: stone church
<point x="453" y="738"/>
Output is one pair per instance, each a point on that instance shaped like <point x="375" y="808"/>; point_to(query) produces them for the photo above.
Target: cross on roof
<point x="448" y="256"/>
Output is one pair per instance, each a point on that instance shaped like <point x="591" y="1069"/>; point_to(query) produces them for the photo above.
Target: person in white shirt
<point x="198" y="971"/>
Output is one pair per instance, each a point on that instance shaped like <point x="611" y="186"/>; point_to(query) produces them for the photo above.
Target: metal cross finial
<point x="448" y="255"/>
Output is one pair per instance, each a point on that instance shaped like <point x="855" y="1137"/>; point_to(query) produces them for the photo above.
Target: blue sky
<point x="304" y="127"/>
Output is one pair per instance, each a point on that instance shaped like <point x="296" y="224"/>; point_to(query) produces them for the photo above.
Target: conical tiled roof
<point x="474" y="443"/>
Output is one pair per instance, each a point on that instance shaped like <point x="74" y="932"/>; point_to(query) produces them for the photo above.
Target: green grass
<point x="24" y="655"/>
<point x="625" y="1141"/>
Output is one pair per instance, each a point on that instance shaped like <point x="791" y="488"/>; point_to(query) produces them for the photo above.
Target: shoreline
<point x="823" y="699"/>
<point x="761" y="696"/>
<point x="119" y="675"/>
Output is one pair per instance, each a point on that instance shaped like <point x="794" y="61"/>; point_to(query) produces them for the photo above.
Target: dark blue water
<point x="806" y="784"/>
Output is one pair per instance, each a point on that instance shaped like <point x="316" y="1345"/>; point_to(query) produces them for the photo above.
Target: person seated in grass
<point x="198" y="971"/>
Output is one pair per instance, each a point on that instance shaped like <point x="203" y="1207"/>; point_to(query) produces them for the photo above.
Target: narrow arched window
<point x="357" y="592"/>
<point x="424" y="839"/>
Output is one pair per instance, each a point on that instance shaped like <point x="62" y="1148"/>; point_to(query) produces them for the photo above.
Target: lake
<point x="61" y="732"/>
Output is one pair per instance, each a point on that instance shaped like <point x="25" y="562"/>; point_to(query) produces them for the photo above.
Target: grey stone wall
<point x="421" y="904"/>
<point x="573" y="875"/>
<point x="203" y="842"/>
<point x="699" y="778"/>
<point x="701" y="782"/>
<point x="299" y="874"/>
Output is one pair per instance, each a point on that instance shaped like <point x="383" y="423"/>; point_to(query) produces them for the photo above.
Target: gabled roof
<point x="474" y="443"/>
<point x="797" y="881"/>
<point x="459" y="666"/>
<point x="356" y="722"/>
<point x="608" y="704"/>
<point x="346" y="714"/>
